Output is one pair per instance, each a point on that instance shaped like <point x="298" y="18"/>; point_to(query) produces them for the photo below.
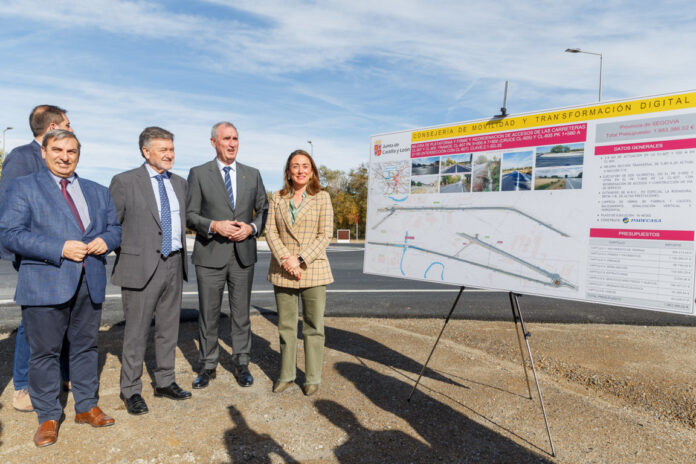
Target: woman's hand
<point x="292" y="265"/>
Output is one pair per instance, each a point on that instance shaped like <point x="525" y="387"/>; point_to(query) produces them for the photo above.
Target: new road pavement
<point x="515" y="180"/>
<point x="361" y="295"/>
<point x="457" y="168"/>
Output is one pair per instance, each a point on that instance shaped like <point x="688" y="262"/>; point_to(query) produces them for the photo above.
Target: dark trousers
<point x="211" y="285"/>
<point x="161" y="297"/>
<point x="46" y="327"/>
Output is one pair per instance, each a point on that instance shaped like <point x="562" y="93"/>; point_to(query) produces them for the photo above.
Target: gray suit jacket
<point x="141" y="237"/>
<point x="208" y="201"/>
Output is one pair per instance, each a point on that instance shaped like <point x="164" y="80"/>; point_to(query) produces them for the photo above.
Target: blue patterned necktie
<point x="165" y="217"/>
<point x="228" y="184"/>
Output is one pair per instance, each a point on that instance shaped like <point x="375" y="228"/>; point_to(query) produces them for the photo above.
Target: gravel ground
<point x="613" y="394"/>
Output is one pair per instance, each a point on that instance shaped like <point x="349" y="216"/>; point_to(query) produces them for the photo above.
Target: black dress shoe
<point x="243" y="376"/>
<point x="204" y="378"/>
<point x="135" y="405"/>
<point x="173" y="392"/>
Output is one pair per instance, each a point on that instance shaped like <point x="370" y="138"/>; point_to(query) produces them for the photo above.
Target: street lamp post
<point x="3" y="142"/>
<point x="311" y="145"/>
<point x="577" y="50"/>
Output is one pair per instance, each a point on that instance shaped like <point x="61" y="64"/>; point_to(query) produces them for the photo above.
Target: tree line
<point x="348" y="193"/>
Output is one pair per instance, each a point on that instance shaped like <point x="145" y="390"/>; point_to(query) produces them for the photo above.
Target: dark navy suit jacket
<point x="35" y="222"/>
<point x="21" y="161"/>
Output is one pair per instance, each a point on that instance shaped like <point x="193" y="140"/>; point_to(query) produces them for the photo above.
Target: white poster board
<point x="594" y="203"/>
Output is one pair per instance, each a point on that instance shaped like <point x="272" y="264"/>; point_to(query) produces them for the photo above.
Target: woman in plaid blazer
<point x="300" y="226"/>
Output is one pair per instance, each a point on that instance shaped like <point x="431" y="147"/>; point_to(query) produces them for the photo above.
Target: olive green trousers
<point x="313" y="306"/>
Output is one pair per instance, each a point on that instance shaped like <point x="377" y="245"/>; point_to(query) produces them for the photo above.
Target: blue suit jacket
<point x="35" y="222"/>
<point x="21" y="161"/>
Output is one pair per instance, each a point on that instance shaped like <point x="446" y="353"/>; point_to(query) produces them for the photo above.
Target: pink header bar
<point x="645" y="146"/>
<point x="680" y="235"/>
<point x="502" y="141"/>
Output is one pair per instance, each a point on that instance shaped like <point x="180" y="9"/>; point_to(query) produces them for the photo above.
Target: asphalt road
<point x="452" y="188"/>
<point x="360" y="295"/>
<point x="456" y="168"/>
<point x="515" y="180"/>
<point x="544" y="161"/>
<point x="573" y="183"/>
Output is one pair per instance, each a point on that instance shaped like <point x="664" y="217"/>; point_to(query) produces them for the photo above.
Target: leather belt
<point x="172" y="254"/>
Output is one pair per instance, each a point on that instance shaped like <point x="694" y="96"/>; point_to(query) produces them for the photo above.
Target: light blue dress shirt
<point x="173" y="205"/>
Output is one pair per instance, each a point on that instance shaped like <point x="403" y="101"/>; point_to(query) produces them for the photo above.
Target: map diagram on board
<point x="486" y="244"/>
<point x="391" y="179"/>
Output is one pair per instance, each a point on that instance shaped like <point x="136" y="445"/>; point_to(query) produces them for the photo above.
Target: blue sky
<point x="333" y="72"/>
<point x="519" y="159"/>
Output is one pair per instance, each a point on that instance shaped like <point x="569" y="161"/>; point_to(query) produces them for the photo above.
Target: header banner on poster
<point x="608" y="110"/>
<point x="594" y="203"/>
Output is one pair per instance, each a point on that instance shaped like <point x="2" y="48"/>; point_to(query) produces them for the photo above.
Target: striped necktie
<point x="228" y="184"/>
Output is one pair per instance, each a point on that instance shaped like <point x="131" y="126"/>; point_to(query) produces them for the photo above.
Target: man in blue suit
<point x="22" y="161"/>
<point x="61" y="227"/>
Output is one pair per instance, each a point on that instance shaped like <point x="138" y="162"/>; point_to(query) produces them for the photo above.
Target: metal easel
<point x="519" y="325"/>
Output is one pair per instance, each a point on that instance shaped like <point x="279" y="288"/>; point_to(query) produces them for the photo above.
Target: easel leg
<point x="425" y="366"/>
<point x="517" y="313"/>
<point x="519" y="340"/>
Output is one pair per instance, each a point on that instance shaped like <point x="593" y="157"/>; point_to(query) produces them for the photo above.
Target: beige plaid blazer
<point x="308" y="237"/>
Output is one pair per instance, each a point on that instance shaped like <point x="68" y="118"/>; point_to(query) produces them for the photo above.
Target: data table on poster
<point x="652" y="273"/>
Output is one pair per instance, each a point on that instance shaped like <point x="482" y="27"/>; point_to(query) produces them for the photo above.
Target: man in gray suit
<point x="227" y="207"/>
<point x="151" y="265"/>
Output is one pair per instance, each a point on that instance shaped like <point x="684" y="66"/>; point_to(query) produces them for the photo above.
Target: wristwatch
<point x="299" y="258"/>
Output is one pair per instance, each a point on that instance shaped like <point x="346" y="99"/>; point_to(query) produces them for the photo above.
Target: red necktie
<point x="71" y="203"/>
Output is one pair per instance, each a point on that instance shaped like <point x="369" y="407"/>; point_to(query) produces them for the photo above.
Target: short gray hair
<point x="214" y="130"/>
<point x="150" y="133"/>
<point x="60" y="134"/>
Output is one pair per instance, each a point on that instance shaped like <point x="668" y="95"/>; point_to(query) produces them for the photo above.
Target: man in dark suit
<point x="151" y="265"/>
<point x="227" y="207"/>
<point x="22" y="161"/>
<point x="62" y="227"/>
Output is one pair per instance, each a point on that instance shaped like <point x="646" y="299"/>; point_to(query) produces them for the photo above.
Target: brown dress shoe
<point x="47" y="434"/>
<point x="94" y="417"/>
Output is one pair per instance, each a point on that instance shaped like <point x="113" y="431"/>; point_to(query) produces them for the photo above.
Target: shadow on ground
<point x="449" y="435"/>
<point x="246" y="445"/>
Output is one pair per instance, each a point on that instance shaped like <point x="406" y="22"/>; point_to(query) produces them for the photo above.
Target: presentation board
<point x="593" y="203"/>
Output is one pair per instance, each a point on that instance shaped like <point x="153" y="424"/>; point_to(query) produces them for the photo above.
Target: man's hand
<point x="75" y="250"/>
<point x="242" y="231"/>
<point x="97" y="247"/>
<point x="225" y="228"/>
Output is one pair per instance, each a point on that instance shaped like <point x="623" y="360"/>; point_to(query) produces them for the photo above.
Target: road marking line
<point x="396" y="290"/>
